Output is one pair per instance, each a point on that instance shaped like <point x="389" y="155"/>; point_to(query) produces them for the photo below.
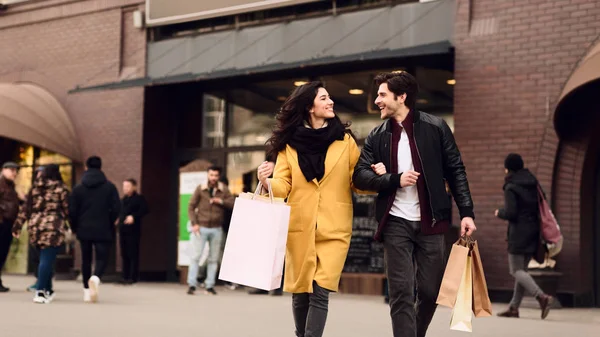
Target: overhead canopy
<point x="587" y="71"/>
<point x="32" y="115"/>
<point x="404" y="30"/>
<point x="578" y="103"/>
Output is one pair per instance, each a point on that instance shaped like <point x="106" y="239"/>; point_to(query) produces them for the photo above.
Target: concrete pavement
<point x="161" y="310"/>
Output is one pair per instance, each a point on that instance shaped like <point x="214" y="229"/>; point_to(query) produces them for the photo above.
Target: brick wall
<point x="82" y="43"/>
<point x="59" y="45"/>
<point x="512" y="61"/>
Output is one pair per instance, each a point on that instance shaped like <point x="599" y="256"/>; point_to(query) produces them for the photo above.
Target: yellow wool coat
<point x="321" y="216"/>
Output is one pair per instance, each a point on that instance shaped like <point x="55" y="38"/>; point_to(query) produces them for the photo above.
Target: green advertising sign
<point x="188" y="182"/>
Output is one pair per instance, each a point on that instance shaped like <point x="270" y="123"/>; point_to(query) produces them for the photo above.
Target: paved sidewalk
<point x="164" y="310"/>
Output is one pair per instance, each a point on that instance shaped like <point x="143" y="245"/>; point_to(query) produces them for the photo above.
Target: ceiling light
<point x="356" y="91"/>
<point x="451" y="81"/>
<point x="299" y="83"/>
<point x="422" y="101"/>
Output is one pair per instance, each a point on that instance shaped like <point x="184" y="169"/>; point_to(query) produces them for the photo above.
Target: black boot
<point x="545" y="302"/>
<point x="511" y="312"/>
<point x="3" y="289"/>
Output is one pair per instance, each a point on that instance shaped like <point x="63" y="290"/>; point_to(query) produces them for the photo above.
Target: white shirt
<point x="406" y="205"/>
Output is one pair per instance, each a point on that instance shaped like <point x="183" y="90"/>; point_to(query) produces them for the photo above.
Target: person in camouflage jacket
<point x="46" y="211"/>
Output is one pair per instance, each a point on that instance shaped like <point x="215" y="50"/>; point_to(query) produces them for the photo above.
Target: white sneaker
<point x="86" y="295"/>
<point x="94" y="284"/>
<point x="50" y="296"/>
<point x="40" y="297"/>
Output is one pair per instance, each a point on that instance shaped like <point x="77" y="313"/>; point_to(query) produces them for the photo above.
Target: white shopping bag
<point x="462" y="314"/>
<point x="255" y="248"/>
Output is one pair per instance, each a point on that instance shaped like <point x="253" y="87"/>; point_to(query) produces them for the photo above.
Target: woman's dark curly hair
<point x="52" y="172"/>
<point x="293" y="113"/>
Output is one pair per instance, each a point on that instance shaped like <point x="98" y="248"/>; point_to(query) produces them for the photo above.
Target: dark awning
<point x="384" y="33"/>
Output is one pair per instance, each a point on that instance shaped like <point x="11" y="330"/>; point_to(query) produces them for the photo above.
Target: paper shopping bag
<point x="462" y="313"/>
<point x="453" y="274"/>
<point x="482" y="306"/>
<point x="255" y="248"/>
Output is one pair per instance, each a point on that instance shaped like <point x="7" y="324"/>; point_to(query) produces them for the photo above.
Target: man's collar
<point x="219" y="187"/>
<point x="410" y="118"/>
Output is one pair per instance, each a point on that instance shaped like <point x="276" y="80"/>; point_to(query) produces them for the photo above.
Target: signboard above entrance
<point x="164" y="12"/>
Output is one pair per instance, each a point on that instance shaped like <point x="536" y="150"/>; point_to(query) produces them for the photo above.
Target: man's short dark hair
<point x="215" y="168"/>
<point x="94" y="162"/>
<point x="131" y="181"/>
<point x="399" y="83"/>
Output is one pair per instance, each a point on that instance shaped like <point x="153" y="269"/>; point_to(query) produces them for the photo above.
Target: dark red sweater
<point x="427" y="225"/>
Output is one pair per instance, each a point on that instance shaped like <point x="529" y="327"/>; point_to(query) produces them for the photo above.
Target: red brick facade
<point x="512" y="61"/>
<point x="61" y="44"/>
<point x="58" y="45"/>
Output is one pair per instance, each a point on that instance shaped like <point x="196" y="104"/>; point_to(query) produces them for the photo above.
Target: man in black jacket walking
<point x="133" y="209"/>
<point x="407" y="160"/>
<point x="94" y="208"/>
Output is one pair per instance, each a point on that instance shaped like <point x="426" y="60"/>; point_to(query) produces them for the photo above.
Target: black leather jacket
<point x="440" y="158"/>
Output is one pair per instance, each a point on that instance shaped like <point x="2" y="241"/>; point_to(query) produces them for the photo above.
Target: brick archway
<point x="574" y="125"/>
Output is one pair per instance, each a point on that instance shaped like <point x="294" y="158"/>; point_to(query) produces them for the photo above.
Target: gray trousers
<point x="310" y="311"/>
<point x="415" y="265"/>
<point x="523" y="281"/>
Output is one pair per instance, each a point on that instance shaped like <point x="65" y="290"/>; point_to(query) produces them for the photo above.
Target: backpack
<point x="551" y="235"/>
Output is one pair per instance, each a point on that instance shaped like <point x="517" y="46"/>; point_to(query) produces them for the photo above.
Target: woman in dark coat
<point x="522" y="213"/>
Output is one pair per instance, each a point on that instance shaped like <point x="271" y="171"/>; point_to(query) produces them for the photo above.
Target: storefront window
<point x="65" y="164"/>
<point x="251" y="118"/>
<point x="213" y="133"/>
<point x="47" y="157"/>
<point x="26" y="158"/>
<point x="241" y="170"/>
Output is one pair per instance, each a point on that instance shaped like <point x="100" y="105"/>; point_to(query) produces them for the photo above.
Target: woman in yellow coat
<point x="316" y="155"/>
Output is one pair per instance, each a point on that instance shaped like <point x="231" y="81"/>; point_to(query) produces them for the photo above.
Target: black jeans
<point x="5" y="242"/>
<point x="102" y="254"/>
<point x="413" y="261"/>
<point x="310" y="311"/>
<point x="130" y="254"/>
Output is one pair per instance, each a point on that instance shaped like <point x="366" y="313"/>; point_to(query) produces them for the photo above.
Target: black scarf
<point x="312" y="144"/>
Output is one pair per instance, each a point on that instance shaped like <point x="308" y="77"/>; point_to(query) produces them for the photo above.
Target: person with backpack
<point x="521" y="210"/>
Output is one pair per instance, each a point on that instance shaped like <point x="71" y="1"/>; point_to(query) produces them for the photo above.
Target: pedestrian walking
<point x="34" y="252"/>
<point x="9" y="210"/>
<point x="407" y="160"/>
<point x="93" y="208"/>
<point x="207" y="212"/>
<point x="521" y="210"/>
<point x="316" y="154"/>
<point x="46" y="213"/>
<point x="133" y="209"/>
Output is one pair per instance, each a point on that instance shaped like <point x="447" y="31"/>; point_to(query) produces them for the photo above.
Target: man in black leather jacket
<point x="407" y="160"/>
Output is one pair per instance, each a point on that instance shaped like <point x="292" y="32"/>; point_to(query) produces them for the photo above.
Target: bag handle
<point x="466" y="241"/>
<point x="259" y="188"/>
